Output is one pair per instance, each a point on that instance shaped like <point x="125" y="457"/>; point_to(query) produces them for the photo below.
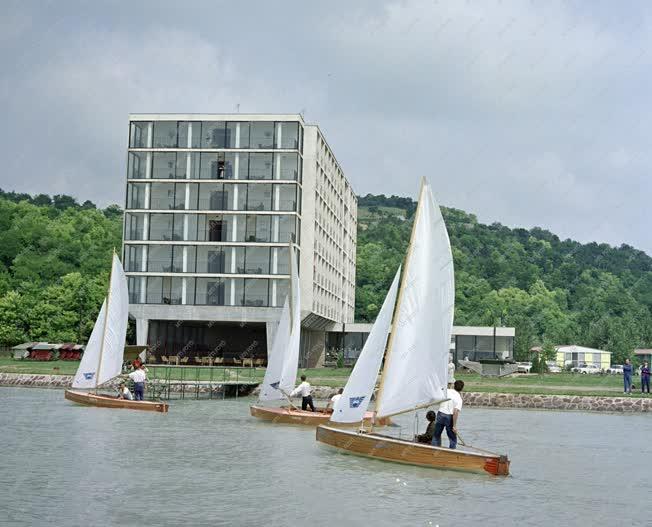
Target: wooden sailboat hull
<point x="106" y="401"/>
<point x="285" y="415"/>
<point x="401" y="451"/>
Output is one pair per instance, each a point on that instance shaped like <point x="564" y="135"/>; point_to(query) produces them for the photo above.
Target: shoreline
<point x="585" y="403"/>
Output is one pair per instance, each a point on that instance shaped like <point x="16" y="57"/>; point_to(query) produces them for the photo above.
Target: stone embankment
<point x="471" y="399"/>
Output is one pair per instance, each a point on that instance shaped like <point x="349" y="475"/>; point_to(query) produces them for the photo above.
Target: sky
<point x="526" y="113"/>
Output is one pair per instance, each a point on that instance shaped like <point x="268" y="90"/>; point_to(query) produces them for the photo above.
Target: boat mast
<point x="106" y="318"/>
<point x="397" y="308"/>
<point x="292" y="263"/>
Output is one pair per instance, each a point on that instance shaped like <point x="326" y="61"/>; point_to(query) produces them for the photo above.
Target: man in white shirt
<point x="139" y="376"/>
<point x="447" y="415"/>
<point x="335" y="398"/>
<point x="305" y="390"/>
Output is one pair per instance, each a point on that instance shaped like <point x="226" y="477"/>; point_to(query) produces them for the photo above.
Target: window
<point x="258" y="228"/>
<point x="286" y="229"/>
<point x="240" y="163"/>
<point x="262" y="135"/>
<point x="282" y="291"/>
<point x="154" y="290"/>
<point x="136" y="195"/>
<point x="159" y="259"/>
<point x="161" y="226"/>
<point x="244" y="135"/>
<point x="257" y="260"/>
<point x="213" y="134"/>
<point x="210" y="259"/>
<point x="210" y="291"/>
<point x="177" y="258"/>
<point x="216" y="166"/>
<point x="282" y="260"/>
<point x="134" y="226"/>
<point x="287" y="197"/>
<point x="256" y="292"/>
<point x="183" y="129"/>
<point x="164" y="165"/>
<point x="238" y="291"/>
<point x="137" y="165"/>
<point x="165" y="134"/>
<point x="286" y="167"/>
<point x="259" y="196"/>
<point x="138" y="134"/>
<point x="260" y="166"/>
<point x="134" y="287"/>
<point x="161" y="196"/>
<point x="211" y="196"/>
<point x="134" y="258"/>
<point x="287" y="135"/>
<point x="172" y="290"/>
<point x="235" y="261"/>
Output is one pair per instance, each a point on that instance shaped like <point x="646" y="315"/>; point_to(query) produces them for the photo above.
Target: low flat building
<point x="579" y="355"/>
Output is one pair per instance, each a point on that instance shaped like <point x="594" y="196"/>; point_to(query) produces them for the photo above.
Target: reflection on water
<point x="210" y="463"/>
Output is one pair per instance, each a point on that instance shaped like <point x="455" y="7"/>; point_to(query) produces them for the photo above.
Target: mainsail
<point x="351" y="407"/>
<point x="276" y="357"/>
<point x="103" y="357"/>
<point x="415" y="372"/>
<point x="283" y="357"/>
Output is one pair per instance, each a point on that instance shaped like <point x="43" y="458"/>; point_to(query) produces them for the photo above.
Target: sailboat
<point x="415" y="372"/>
<point x="103" y="357"/>
<point x="283" y="364"/>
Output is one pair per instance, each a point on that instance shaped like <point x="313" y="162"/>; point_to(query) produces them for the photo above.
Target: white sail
<point x="291" y="364"/>
<point x="351" y="407"/>
<point x="276" y="357"/>
<point x="86" y="376"/>
<point x="104" y="354"/>
<point x="416" y="366"/>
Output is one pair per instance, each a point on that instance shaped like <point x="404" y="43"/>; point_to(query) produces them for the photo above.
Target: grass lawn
<point x="555" y="383"/>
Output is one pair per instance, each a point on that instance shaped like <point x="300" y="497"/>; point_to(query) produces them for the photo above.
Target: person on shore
<point x="306" y="397"/>
<point x="427" y="436"/>
<point x="335" y="398"/>
<point x="627" y="377"/>
<point x="139" y="377"/>
<point x="451" y="370"/>
<point x="448" y="414"/>
<point x="124" y="393"/>
<point x="645" y="378"/>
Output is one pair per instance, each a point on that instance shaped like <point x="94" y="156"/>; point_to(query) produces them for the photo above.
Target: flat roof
<point x="216" y="117"/>
<point x="477" y="331"/>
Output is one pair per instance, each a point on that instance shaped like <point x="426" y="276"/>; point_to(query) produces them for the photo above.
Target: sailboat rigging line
<point x="106" y="318"/>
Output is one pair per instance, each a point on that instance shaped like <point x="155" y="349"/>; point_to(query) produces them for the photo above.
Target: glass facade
<point x="205" y="204"/>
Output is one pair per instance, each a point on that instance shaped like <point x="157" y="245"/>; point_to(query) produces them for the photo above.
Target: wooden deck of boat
<point x="106" y="401"/>
<point x="388" y="448"/>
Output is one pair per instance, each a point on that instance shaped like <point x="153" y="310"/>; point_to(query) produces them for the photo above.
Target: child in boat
<point x="430" y="431"/>
<point x="124" y="393"/>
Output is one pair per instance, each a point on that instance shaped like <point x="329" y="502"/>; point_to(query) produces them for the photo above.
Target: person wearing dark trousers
<point x="447" y="416"/>
<point x="306" y="397"/>
<point x="645" y="378"/>
<point x="139" y="376"/>
<point x="627" y="377"/>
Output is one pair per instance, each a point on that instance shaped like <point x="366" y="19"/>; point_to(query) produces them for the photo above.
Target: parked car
<point x="523" y="367"/>
<point x="553" y="367"/>
<point x="588" y="369"/>
<point x="615" y="369"/>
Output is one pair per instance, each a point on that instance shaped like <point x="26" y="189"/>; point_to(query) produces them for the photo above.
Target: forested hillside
<point x="552" y="291"/>
<point x="55" y="255"/>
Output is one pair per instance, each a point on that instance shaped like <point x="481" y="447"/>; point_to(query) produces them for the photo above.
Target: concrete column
<point x="142" y="327"/>
<point x="270" y="328"/>
<point x="313" y="348"/>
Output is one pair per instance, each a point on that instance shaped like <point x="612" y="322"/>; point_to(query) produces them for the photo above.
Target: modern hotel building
<point x="213" y="203"/>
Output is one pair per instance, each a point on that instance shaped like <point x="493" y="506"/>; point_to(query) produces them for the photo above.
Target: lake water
<point x="210" y="463"/>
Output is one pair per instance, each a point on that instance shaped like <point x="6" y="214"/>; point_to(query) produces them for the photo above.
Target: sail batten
<point x="351" y="407"/>
<point x="104" y="353"/>
<point x="415" y="371"/>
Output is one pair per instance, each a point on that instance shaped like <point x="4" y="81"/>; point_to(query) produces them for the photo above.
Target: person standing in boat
<point x="448" y="414"/>
<point x="335" y="398"/>
<point x="306" y="398"/>
<point x="139" y="377"/>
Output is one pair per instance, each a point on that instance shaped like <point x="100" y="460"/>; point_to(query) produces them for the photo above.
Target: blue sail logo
<point x="89" y="376"/>
<point x="354" y="402"/>
<point x="275" y="385"/>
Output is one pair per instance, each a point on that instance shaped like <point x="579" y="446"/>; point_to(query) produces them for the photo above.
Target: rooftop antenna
<point x="237" y="108"/>
<point x="302" y="113"/>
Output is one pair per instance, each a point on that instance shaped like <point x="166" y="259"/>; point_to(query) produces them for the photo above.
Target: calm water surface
<point x="210" y="463"/>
